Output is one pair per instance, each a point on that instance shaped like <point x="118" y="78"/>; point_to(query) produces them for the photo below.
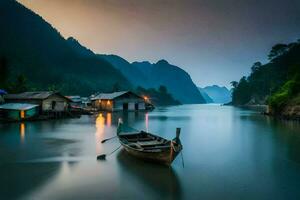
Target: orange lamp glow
<point x="100" y="120"/>
<point x="146" y="98"/>
<point x="22" y="114"/>
<point x="108" y="119"/>
<point x="108" y="102"/>
<point x="22" y="131"/>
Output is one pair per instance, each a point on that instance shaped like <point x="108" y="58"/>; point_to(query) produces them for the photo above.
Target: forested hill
<point x="178" y="81"/>
<point x="32" y="51"/>
<point x="276" y="83"/>
<point x="34" y="56"/>
<point x="132" y="73"/>
<point x="151" y="76"/>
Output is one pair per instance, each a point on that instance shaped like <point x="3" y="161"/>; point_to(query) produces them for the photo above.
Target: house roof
<point x="39" y="95"/>
<point x="111" y="96"/>
<point x="17" y="106"/>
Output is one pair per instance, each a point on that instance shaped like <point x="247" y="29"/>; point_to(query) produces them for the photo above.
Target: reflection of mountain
<point x="159" y="179"/>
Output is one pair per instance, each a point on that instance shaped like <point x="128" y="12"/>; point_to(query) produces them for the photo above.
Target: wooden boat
<point x="148" y="146"/>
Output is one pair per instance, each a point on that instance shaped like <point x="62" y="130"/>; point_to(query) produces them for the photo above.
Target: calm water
<point x="229" y="153"/>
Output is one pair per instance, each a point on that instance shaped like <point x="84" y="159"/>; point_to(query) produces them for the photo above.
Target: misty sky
<point x="215" y="41"/>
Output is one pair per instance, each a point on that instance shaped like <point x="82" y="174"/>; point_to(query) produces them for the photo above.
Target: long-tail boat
<point x="148" y="146"/>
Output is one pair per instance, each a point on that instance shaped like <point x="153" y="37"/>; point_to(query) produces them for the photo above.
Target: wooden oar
<point x="103" y="156"/>
<point x="108" y="139"/>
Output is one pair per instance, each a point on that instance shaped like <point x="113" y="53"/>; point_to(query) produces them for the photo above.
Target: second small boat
<point x="148" y="146"/>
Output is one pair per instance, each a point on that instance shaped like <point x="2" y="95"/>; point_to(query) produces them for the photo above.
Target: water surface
<point x="229" y="153"/>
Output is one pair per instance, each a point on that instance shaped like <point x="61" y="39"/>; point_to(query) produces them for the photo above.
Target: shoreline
<point x="290" y="112"/>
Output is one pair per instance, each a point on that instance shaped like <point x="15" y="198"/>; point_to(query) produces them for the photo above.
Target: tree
<point x="234" y="84"/>
<point x="256" y="66"/>
<point x="53" y="87"/>
<point x="20" y="85"/>
<point x="277" y="50"/>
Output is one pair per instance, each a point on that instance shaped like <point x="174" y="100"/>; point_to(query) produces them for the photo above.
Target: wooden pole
<point x="178" y="132"/>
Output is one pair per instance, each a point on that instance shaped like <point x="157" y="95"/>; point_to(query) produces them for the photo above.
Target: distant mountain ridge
<point x="207" y="98"/>
<point x="217" y="93"/>
<point x="147" y="75"/>
<point x="178" y="81"/>
<point x="33" y="48"/>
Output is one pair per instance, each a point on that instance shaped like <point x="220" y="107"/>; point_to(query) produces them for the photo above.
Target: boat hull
<point x="165" y="157"/>
<point x="148" y="146"/>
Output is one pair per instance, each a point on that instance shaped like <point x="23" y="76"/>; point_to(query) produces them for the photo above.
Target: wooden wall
<point x="55" y="103"/>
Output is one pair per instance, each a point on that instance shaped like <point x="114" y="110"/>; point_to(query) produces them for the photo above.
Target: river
<point x="229" y="153"/>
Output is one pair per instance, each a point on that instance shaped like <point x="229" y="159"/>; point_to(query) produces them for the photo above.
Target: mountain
<point x="205" y="95"/>
<point x="31" y="47"/>
<point x="144" y="74"/>
<point x="218" y="94"/>
<point x="132" y="73"/>
<point x="177" y="81"/>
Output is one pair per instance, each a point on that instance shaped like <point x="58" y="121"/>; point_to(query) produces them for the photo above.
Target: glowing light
<point x="147" y="122"/>
<point x="108" y="102"/>
<point x="146" y="98"/>
<point x="100" y="120"/>
<point x="22" y="114"/>
<point x="22" y="132"/>
<point x="108" y="119"/>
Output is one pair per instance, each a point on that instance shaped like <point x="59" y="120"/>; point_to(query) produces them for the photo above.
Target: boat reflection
<point x="159" y="179"/>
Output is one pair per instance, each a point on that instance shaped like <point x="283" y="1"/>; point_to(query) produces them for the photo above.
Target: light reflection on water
<point x="229" y="153"/>
<point x="22" y="132"/>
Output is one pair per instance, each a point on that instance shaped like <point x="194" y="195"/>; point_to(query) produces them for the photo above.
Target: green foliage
<point x="285" y="94"/>
<point x="19" y="85"/>
<point x="277" y="50"/>
<point x="288" y="93"/>
<point x="277" y="78"/>
<point x="240" y="93"/>
<point x="159" y="97"/>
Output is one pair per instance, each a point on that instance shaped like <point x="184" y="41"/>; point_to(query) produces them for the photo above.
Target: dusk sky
<point x="215" y="41"/>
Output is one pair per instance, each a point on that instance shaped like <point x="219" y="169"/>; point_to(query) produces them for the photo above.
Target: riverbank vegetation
<point x="276" y="83"/>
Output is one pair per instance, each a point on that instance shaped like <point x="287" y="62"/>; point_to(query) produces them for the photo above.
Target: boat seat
<point x="139" y="139"/>
<point x="157" y="147"/>
<point x="136" y="145"/>
<point x="150" y="143"/>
